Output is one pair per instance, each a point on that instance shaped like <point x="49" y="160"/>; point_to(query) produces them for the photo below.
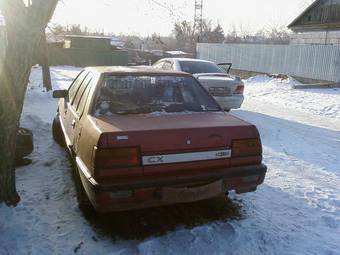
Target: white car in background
<point x="225" y="88"/>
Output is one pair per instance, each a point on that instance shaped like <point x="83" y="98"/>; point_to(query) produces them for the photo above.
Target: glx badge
<point x="155" y="160"/>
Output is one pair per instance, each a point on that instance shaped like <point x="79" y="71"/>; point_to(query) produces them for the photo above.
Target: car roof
<point x="187" y="59"/>
<point x="140" y="70"/>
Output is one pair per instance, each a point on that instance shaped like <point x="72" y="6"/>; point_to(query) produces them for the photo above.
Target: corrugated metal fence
<point x="320" y="62"/>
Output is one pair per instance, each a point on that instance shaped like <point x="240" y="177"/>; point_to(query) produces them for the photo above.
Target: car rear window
<point x="147" y="94"/>
<point x="194" y="67"/>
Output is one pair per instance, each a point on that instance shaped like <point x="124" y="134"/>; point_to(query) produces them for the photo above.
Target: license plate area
<point x="220" y="91"/>
<point x="182" y="195"/>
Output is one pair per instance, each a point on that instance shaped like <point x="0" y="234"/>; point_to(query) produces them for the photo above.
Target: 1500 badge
<point x="222" y="154"/>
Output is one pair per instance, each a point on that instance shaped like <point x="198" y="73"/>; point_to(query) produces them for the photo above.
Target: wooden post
<point x="45" y="63"/>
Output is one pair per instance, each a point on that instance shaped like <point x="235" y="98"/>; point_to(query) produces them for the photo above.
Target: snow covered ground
<point x="320" y="105"/>
<point x="296" y="210"/>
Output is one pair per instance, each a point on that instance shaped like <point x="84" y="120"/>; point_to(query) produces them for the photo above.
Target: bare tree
<point x="186" y="36"/>
<point x="273" y="35"/>
<point x="25" y="25"/>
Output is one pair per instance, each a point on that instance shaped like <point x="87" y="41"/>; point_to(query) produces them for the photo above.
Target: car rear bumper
<point x="171" y="190"/>
<point x="231" y="102"/>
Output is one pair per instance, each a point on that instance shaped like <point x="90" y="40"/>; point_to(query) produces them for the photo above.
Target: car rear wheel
<point x="57" y="131"/>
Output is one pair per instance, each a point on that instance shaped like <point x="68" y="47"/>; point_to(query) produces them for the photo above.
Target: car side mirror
<point x="60" y="93"/>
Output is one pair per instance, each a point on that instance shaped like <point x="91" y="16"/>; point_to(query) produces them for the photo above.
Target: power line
<point x="173" y="13"/>
<point x="163" y="6"/>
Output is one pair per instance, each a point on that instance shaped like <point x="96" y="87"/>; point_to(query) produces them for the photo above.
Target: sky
<point x="144" y="17"/>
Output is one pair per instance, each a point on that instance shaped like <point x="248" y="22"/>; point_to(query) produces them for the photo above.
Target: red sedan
<point x="144" y="138"/>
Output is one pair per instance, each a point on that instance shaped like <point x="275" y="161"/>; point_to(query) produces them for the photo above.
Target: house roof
<point x="177" y="52"/>
<point x="89" y="37"/>
<point x="135" y="70"/>
<point x="321" y="15"/>
<point x="53" y="38"/>
<point x="314" y="4"/>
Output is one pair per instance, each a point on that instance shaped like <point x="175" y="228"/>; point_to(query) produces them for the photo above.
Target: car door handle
<point x="73" y="124"/>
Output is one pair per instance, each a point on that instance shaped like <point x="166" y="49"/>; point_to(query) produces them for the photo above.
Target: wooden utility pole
<point x="45" y="63"/>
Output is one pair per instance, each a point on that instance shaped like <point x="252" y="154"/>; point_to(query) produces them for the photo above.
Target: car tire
<point x="227" y="110"/>
<point x="83" y="201"/>
<point x="57" y="131"/>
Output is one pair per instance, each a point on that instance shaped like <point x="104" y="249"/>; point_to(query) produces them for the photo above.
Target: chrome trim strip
<point x="186" y="157"/>
<point x="67" y="139"/>
<point x="84" y="170"/>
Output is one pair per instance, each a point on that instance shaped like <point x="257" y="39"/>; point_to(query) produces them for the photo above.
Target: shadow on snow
<point x="141" y="224"/>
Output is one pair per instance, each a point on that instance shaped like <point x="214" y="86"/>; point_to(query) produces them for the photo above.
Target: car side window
<point x="159" y="65"/>
<point x="75" y="85"/>
<point x="84" y="98"/>
<point x="167" y="65"/>
<point x="81" y="90"/>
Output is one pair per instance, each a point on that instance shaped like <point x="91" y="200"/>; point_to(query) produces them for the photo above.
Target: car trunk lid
<point x="173" y="142"/>
<point x="219" y="85"/>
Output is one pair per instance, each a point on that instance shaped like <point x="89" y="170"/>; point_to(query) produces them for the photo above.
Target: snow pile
<point x="296" y="211"/>
<point x="322" y="102"/>
<point x="273" y="79"/>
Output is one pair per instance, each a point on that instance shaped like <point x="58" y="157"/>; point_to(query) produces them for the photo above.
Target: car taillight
<point x="246" y="148"/>
<point x="117" y="157"/>
<point x="239" y="89"/>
